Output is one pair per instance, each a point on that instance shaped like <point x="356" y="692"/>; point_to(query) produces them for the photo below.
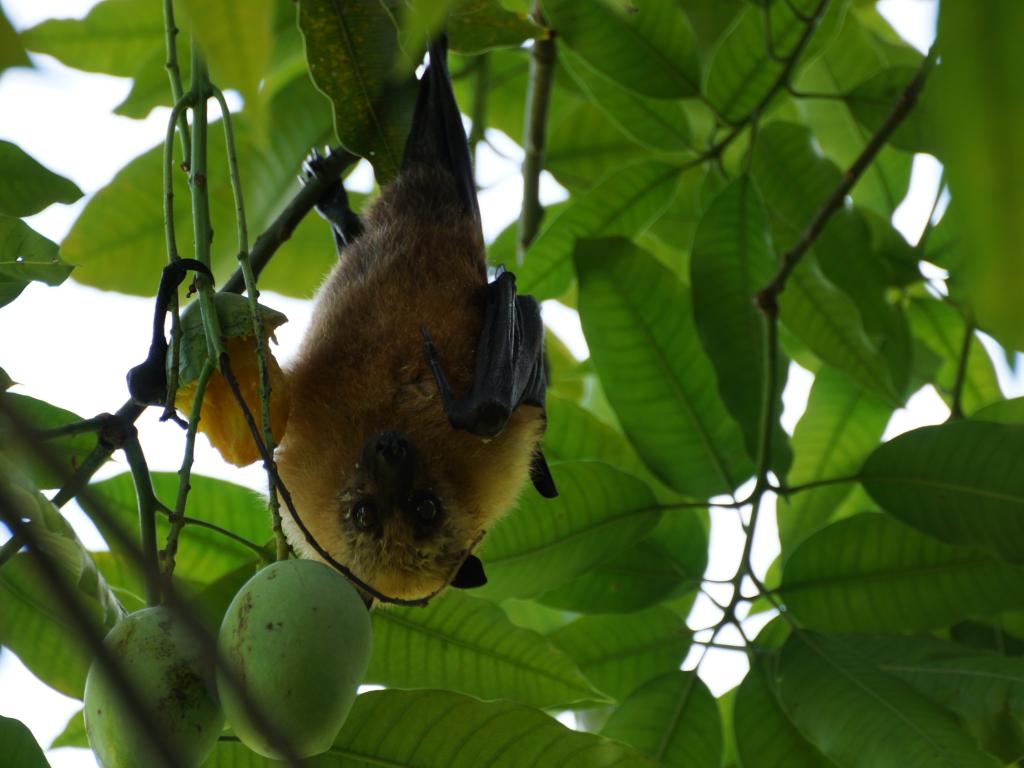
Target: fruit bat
<point x="417" y="396"/>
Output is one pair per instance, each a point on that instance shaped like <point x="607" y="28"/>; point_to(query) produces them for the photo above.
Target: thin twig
<point x="538" y="95"/>
<point x="259" y="333"/>
<point x="174" y="75"/>
<point x="768" y="297"/>
<point x="783" y="490"/>
<point x="148" y="506"/>
<point x="956" y="410"/>
<point x="177" y="517"/>
<point x="95" y="424"/>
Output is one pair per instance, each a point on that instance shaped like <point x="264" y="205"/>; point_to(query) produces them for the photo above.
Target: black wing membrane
<point x="437" y="138"/>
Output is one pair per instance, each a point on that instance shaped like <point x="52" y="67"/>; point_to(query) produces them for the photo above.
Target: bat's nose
<point x="390" y="458"/>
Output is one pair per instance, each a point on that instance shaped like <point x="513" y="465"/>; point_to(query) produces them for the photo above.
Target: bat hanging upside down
<point x="417" y="398"/>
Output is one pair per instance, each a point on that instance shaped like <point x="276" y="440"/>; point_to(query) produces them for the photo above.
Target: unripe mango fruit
<point x="297" y="637"/>
<point x="168" y="670"/>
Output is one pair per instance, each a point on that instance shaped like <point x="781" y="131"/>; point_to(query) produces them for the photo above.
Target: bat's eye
<point x="365" y="515"/>
<point x="427" y="508"/>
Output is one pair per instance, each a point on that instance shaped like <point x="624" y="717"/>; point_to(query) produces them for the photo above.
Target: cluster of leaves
<point x="698" y="142"/>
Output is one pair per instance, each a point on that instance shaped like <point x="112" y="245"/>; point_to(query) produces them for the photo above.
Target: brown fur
<point x="420" y="262"/>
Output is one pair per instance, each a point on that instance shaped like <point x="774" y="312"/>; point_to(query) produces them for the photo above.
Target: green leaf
<point x="870" y="573"/>
<point x="582" y="143"/>
<point x="113" y="38"/>
<point x="619" y="652"/>
<point x="126" y="253"/>
<point x="841" y="426"/>
<point x="674" y="719"/>
<point x="1005" y="411"/>
<point x="469" y="645"/>
<point x="12" y="51"/>
<point x="26" y="187"/>
<point x="982" y="66"/>
<point x="352" y="50"/>
<point x="18" y="745"/>
<point x="441" y="729"/>
<point x="873" y="100"/>
<point x="985" y="691"/>
<point x="476" y="26"/>
<point x="546" y="542"/>
<point x="25" y="256"/>
<point x="941" y="327"/>
<point x="962" y="482"/>
<point x="765" y="736"/>
<point x="862" y="717"/>
<point x="575" y="434"/>
<point x="653" y="371"/>
<point x="669" y="562"/>
<point x="624" y="202"/>
<point x="731" y="260"/>
<point x="657" y="124"/>
<point x="34" y="623"/>
<point x="66" y="452"/>
<point x="203" y="555"/>
<point x="743" y="73"/>
<point x="235" y="36"/>
<point x="650" y="47"/>
<point x="73" y="734"/>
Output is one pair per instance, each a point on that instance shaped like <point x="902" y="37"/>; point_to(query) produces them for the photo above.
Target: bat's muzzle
<point x="390" y="459"/>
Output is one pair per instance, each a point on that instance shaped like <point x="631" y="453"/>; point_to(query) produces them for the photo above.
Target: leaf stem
<point x="177" y="517"/>
<point x="95" y="424"/>
<point x="538" y="96"/>
<point x="148" y="505"/>
<point x="956" y="410"/>
<point x="174" y="75"/>
<point x="262" y="346"/>
<point x="790" y="490"/>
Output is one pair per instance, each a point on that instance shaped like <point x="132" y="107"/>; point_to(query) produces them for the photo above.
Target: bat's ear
<point x="471" y="574"/>
<point x="437" y="138"/>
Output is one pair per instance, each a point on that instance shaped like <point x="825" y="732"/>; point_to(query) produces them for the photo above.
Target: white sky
<point x="59" y="359"/>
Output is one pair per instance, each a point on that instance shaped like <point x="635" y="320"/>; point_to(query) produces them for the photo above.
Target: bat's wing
<point x="509" y="370"/>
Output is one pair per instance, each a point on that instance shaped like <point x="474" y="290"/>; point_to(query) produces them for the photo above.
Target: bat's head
<point x="404" y="509"/>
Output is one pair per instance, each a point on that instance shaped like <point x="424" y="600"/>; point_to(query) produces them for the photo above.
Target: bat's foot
<point x="333" y="203"/>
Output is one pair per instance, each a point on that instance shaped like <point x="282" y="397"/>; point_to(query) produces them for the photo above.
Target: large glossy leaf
<point x="765" y="736"/>
<point x="235" y="36"/>
<point x="466" y="644"/>
<point x="983" y="67"/>
<point x="582" y="144"/>
<point x="941" y="327"/>
<point x="870" y="573"/>
<point x="352" y="50"/>
<point x="18" y="745"/>
<point x="649" y="48"/>
<point x="863" y="717"/>
<point x="126" y="253"/>
<point x="476" y="26"/>
<point x="113" y="38"/>
<point x="25" y="256"/>
<point x="73" y="734"/>
<point x="658" y="124"/>
<point x="985" y="690"/>
<point x="203" y="555"/>
<point x="962" y="482"/>
<point x="546" y="542"/>
<point x="731" y="260"/>
<point x="26" y="187"/>
<point x="669" y="562"/>
<point x="619" y="652"/>
<point x="637" y="319"/>
<point x="1006" y="411"/>
<point x="66" y="452"/>
<point x="441" y="729"/>
<point x="624" y="202"/>
<point x="673" y="718"/>
<point x="841" y="426"/>
<point x="743" y="72"/>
